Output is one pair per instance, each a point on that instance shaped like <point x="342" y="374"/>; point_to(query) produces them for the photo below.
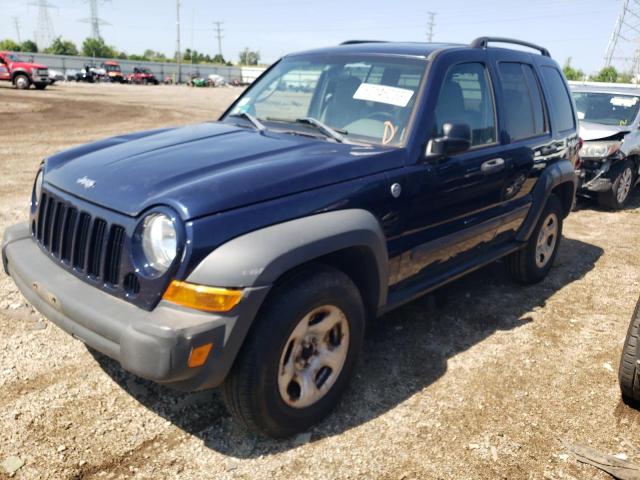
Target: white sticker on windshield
<point x="627" y="102"/>
<point x="383" y="94"/>
<point x="581" y="115"/>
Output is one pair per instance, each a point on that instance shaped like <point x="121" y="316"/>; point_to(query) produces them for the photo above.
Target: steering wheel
<point x="382" y="116"/>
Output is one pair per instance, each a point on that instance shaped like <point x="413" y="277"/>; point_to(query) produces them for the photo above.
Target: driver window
<point x="465" y="97"/>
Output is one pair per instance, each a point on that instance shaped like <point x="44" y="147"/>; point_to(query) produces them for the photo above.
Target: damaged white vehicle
<point x="609" y="127"/>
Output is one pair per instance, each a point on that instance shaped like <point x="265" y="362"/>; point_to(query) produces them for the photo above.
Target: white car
<point x="55" y="76"/>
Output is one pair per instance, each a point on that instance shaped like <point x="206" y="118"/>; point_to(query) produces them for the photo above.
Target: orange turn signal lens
<point x="199" y="355"/>
<point x="201" y="297"/>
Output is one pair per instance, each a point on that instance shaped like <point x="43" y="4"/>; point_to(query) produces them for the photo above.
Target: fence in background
<point x="66" y="63"/>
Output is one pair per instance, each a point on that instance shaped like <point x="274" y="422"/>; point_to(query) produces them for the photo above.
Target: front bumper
<point x="594" y="177"/>
<point x="154" y="345"/>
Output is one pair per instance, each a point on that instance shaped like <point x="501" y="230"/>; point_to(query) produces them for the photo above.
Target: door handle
<point x="492" y="166"/>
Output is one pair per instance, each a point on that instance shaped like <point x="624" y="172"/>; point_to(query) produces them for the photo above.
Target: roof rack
<point x="482" y="42"/>
<point x="356" y="42"/>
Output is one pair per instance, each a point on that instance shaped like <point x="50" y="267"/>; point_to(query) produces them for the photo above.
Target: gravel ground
<point x="487" y="381"/>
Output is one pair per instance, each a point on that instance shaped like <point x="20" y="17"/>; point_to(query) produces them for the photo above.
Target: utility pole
<point x="432" y="25"/>
<point x="94" y="19"/>
<point x="219" y="36"/>
<point x="178" y="51"/>
<point x="44" y="33"/>
<point x="16" y="23"/>
<point x="616" y="34"/>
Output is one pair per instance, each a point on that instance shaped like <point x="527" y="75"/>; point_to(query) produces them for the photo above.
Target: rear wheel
<point x="628" y="371"/>
<point x="616" y="198"/>
<point x="532" y="263"/>
<point x="22" y="82"/>
<point x="299" y="356"/>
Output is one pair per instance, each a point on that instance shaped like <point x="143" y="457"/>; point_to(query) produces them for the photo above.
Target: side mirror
<point x="456" y="138"/>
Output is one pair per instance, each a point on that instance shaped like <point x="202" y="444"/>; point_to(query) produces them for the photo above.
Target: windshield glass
<point x="112" y="68"/>
<point x="14" y="58"/>
<point x="607" y="108"/>
<point x="366" y="99"/>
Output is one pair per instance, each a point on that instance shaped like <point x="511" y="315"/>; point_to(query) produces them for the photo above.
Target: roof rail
<point x="482" y="42"/>
<point x="356" y="42"/>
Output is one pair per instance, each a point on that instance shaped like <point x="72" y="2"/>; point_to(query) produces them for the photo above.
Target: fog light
<point x="198" y="356"/>
<point x="201" y="297"/>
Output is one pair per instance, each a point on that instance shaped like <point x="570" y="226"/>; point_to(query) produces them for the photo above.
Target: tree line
<point x="606" y="74"/>
<point x="97" y="47"/>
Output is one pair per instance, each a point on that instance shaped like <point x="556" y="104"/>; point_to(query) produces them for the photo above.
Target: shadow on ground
<point x="406" y="354"/>
<point x="591" y="203"/>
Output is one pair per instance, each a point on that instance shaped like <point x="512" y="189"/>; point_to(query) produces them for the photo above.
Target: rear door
<point x="525" y="131"/>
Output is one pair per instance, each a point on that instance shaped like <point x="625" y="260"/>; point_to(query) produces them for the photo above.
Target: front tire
<point x="22" y="82"/>
<point x="532" y="263"/>
<point x="298" y="357"/>
<point x="616" y="198"/>
<point x="628" y="370"/>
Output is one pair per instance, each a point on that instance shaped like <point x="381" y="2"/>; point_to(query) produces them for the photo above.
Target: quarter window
<point x="560" y="98"/>
<point x="465" y="97"/>
<point x="523" y="105"/>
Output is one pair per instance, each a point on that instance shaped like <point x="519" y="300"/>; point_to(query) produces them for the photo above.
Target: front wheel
<point x="299" y="356"/>
<point x="616" y="198"/>
<point x="22" y="82"/>
<point x="533" y="262"/>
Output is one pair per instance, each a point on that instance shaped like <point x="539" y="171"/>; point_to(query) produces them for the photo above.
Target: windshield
<point x="112" y="68"/>
<point x="365" y="99"/>
<point x="13" y="57"/>
<point x="607" y="108"/>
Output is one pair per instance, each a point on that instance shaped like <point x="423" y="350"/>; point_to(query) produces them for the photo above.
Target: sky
<point x="579" y="29"/>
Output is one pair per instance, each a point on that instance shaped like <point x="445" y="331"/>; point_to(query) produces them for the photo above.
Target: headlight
<point x="37" y="187"/>
<point x="599" y="149"/>
<point x="159" y="241"/>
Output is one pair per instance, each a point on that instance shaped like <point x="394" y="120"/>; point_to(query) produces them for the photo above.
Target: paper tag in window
<point x="581" y="115"/>
<point x="627" y="102"/>
<point x="383" y="94"/>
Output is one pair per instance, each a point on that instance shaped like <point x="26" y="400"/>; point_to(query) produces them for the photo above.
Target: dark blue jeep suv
<point x="251" y="252"/>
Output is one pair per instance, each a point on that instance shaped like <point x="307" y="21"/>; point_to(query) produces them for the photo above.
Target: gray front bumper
<point x="154" y="345"/>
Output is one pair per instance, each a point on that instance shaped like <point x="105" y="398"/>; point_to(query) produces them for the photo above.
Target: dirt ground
<point x="489" y="382"/>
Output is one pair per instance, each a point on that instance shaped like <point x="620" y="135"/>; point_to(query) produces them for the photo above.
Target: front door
<point x="454" y="205"/>
<point x="4" y="70"/>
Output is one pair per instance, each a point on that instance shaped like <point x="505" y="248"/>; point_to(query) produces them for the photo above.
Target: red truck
<point x="142" y="76"/>
<point x="22" y="74"/>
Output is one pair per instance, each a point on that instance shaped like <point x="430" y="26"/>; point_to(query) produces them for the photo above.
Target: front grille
<point x="81" y="241"/>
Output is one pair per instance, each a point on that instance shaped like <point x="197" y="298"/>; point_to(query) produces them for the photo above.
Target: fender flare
<point x="554" y="175"/>
<point x="20" y="71"/>
<point x="260" y="257"/>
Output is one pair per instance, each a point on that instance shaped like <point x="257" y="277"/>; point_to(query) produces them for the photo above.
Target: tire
<point x="628" y="370"/>
<point x="40" y="86"/>
<point x="531" y="264"/>
<point x="22" y="82"/>
<point x="616" y="198"/>
<point x="268" y="397"/>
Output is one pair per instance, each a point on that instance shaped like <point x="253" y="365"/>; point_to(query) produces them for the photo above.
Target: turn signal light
<point x="201" y="297"/>
<point x="198" y="355"/>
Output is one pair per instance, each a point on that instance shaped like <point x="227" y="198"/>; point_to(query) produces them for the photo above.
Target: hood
<point x="598" y="131"/>
<point x="207" y="168"/>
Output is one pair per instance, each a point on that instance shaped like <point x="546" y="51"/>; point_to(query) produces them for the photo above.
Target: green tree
<point x="62" y="47"/>
<point x="607" y="74"/>
<point x="249" y="57"/>
<point x="29" y="46"/>
<point x="572" y="73"/>
<point x="625" y="77"/>
<point x="10" y="45"/>
<point x="95" y="47"/>
<point x="218" y="58"/>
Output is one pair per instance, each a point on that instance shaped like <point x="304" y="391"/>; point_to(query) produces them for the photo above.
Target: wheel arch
<point x="349" y="240"/>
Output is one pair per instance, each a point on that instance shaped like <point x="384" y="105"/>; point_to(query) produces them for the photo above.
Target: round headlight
<point x="37" y="188"/>
<point x="159" y="241"/>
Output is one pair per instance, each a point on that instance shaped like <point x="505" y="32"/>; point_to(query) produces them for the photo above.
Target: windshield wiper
<point x="256" y="123"/>
<point x="326" y="129"/>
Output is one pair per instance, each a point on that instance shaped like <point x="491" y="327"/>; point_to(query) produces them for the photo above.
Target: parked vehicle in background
<point x="113" y="71"/>
<point x="610" y="128"/>
<point x="142" y="76"/>
<point x="215" y="80"/>
<point x="55" y="76"/>
<point x="87" y="75"/>
<point x="22" y="74"/>
<point x="252" y="252"/>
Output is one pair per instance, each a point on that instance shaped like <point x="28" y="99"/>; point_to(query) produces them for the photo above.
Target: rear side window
<point x="560" y="98"/>
<point x="466" y="97"/>
<point x="523" y="106"/>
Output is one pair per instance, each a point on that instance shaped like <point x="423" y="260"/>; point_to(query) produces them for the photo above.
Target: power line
<point x="94" y="18"/>
<point x="44" y="33"/>
<point x="432" y="25"/>
<point x="219" y="36"/>
<point x="16" y="23"/>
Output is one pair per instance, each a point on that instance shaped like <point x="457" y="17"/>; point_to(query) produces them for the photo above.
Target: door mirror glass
<point x="456" y="138"/>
